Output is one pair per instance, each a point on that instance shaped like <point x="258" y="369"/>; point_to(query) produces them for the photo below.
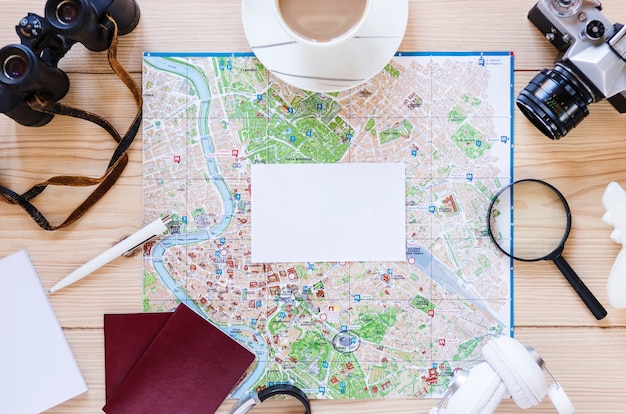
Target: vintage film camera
<point x="30" y="68"/>
<point x="592" y="66"/>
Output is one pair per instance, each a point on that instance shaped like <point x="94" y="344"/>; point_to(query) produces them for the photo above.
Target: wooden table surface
<point x="587" y="357"/>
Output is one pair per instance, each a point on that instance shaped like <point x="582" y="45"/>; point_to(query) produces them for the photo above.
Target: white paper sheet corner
<point x="39" y="370"/>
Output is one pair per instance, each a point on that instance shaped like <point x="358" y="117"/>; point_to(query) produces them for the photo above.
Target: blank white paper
<point x="344" y="212"/>
<point x="37" y="366"/>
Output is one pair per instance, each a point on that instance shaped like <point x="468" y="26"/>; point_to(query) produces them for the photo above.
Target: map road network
<point x="336" y="330"/>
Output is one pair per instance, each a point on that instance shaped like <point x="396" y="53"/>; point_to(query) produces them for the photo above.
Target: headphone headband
<point x="520" y="372"/>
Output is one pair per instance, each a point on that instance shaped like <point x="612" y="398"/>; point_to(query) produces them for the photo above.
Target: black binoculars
<point x="31" y="68"/>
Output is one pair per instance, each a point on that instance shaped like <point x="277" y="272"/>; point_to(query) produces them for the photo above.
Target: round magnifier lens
<point x="529" y="220"/>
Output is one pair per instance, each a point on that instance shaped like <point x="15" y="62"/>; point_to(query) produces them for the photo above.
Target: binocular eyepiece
<point x="24" y="74"/>
<point x="80" y="19"/>
<point x="30" y="68"/>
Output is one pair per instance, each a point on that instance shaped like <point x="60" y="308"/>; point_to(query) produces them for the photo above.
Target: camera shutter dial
<point x="595" y="29"/>
<point x="565" y="8"/>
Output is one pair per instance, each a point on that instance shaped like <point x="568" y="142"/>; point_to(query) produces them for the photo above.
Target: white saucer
<point x="328" y="68"/>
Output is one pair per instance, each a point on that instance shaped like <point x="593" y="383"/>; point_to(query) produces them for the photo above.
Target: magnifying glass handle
<point x="585" y="294"/>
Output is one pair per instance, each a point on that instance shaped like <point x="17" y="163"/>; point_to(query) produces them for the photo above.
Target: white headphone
<point x="509" y="368"/>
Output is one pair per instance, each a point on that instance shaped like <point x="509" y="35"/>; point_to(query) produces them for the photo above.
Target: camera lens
<point x="555" y="101"/>
<point x="67" y="12"/>
<point x="15" y="67"/>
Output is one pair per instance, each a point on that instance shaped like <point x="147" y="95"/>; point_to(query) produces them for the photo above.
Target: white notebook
<point x="37" y="367"/>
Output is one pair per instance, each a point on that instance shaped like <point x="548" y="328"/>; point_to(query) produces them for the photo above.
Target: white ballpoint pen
<point x="152" y="230"/>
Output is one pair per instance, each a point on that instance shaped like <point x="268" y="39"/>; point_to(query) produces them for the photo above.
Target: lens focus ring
<point x="555" y="101"/>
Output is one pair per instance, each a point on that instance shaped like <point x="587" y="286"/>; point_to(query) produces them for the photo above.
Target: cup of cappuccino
<point x="324" y="45"/>
<point x="321" y="22"/>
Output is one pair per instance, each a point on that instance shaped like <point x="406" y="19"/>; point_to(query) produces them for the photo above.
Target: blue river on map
<point x="422" y="258"/>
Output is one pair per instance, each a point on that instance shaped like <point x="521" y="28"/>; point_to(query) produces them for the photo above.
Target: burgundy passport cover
<point x="189" y="367"/>
<point x="126" y="338"/>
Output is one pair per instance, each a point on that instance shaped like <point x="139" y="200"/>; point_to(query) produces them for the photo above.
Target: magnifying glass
<point x="529" y="220"/>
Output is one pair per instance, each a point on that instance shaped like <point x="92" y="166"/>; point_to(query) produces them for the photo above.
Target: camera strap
<point x="118" y="161"/>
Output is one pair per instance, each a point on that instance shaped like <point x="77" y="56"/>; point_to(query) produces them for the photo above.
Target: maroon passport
<point x="190" y="366"/>
<point x="126" y="338"/>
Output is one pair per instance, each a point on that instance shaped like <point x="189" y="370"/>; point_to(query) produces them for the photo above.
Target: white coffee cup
<point x="324" y="45"/>
<point x="321" y="23"/>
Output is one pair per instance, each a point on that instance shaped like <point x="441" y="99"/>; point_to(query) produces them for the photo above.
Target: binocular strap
<point x="118" y="161"/>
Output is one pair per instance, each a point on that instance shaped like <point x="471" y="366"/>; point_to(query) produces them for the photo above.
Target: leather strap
<point x="118" y="161"/>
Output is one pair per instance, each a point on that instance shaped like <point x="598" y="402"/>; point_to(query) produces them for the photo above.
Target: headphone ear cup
<point x="481" y="393"/>
<point x="518" y="370"/>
